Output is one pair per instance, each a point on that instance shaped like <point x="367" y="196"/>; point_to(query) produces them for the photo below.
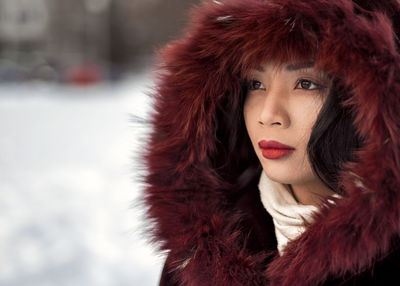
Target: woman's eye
<point x="307" y="84"/>
<point x="255" y="85"/>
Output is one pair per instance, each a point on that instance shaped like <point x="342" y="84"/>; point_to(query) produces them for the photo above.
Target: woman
<point x="230" y="205"/>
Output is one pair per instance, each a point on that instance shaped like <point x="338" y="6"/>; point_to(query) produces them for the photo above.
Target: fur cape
<point x="207" y="229"/>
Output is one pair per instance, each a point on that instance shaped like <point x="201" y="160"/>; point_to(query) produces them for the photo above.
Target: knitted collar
<point x="287" y="214"/>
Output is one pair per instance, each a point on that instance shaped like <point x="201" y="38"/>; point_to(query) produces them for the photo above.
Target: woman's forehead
<point x="295" y="67"/>
<point x="288" y="66"/>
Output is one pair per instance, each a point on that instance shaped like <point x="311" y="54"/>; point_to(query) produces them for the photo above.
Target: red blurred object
<point x="84" y="75"/>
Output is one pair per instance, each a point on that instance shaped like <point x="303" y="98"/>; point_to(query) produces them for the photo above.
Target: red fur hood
<point x="188" y="193"/>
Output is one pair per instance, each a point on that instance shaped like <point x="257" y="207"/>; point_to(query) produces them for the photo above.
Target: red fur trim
<point x="201" y="70"/>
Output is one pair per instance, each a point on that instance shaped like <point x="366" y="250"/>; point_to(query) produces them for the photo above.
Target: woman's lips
<point x="274" y="149"/>
<point x="275" y="153"/>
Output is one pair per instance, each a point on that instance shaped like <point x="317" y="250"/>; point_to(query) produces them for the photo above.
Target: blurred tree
<point x="56" y="35"/>
<point x="139" y="27"/>
<point x="22" y="20"/>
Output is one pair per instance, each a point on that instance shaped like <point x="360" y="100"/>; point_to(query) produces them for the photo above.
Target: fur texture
<point x="188" y="198"/>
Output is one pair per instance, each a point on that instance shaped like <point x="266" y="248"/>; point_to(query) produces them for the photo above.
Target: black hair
<point x="334" y="138"/>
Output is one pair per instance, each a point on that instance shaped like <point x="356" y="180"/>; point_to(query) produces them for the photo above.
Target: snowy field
<point x="68" y="183"/>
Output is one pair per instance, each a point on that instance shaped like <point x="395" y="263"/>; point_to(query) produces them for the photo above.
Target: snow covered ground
<point x="68" y="182"/>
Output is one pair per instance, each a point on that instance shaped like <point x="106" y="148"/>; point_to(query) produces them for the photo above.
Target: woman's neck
<point x="310" y="194"/>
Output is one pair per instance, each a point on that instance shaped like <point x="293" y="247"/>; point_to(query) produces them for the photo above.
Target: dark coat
<point x="214" y="228"/>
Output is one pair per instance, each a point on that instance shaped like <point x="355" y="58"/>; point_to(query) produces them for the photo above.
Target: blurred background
<point x="74" y="82"/>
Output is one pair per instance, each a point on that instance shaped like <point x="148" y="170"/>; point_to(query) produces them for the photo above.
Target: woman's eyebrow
<point x="260" y="69"/>
<point x="299" y="66"/>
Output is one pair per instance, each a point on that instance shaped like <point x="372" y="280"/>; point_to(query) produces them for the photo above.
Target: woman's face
<point x="282" y="104"/>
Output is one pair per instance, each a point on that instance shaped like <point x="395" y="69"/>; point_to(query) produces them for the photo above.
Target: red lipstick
<point x="274" y="149"/>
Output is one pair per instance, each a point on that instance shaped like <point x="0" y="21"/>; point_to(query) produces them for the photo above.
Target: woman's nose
<point x="274" y="109"/>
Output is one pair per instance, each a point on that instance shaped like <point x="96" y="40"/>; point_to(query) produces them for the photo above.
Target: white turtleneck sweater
<point x="288" y="215"/>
